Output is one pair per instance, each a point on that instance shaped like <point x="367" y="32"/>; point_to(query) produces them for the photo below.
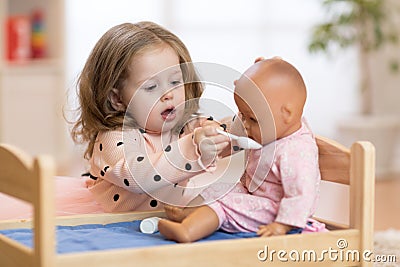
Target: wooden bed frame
<point x="31" y="179"/>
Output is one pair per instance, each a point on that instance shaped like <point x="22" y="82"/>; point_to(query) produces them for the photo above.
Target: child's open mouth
<point x="169" y="114"/>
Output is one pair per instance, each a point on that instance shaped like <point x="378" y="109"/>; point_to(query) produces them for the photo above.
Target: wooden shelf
<point x="32" y="66"/>
<point x="32" y="91"/>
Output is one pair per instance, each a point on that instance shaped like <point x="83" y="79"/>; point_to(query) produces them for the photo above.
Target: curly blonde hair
<point x="108" y="67"/>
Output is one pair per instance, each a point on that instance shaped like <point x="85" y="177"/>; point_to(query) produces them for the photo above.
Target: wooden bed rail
<point x="32" y="180"/>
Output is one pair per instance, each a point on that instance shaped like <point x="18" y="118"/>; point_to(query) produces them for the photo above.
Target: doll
<point x="279" y="189"/>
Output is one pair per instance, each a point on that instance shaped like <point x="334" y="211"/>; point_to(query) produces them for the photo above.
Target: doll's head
<point x="270" y="96"/>
<point x="106" y="75"/>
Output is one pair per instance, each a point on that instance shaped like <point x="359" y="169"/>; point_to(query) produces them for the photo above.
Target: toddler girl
<point x="137" y="91"/>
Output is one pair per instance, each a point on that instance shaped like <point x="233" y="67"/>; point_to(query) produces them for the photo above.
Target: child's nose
<point x="167" y="96"/>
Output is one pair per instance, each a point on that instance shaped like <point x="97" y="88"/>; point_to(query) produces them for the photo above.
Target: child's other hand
<point x="259" y="59"/>
<point x="209" y="142"/>
<point x="263" y="58"/>
<point x="273" y="228"/>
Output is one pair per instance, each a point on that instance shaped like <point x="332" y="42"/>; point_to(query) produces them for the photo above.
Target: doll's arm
<point x="274" y="228"/>
<point x="300" y="180"/>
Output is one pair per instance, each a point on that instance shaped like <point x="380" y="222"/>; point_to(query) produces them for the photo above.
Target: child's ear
<point x="115" y="100"/>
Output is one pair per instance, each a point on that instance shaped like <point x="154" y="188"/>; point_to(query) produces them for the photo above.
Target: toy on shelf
<point x="18" y="38"/>
<point x="25" y="37"/>
<point x="38" y="38"/>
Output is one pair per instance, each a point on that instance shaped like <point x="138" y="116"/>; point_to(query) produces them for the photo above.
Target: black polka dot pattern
<point x="142" y="130"/>
<point x="210" y="118"/>
<point x="116" y="197"/>
<point x="140" y="158"/>
<point x="101" y="147"/>
<point x="175" y="185"/>
<point x="103" y="172"/>
<point x="188" y="167"/>
<point x="153" y="203"/>
<point x="168" y="148"/>
<point x="236" y="148"/>
<point x="120" y="143"/>
<point x="223" y="126"/>
<point x="157" y="178"/>
<point x="126" y="182"/>
<point x="92" y="176"/>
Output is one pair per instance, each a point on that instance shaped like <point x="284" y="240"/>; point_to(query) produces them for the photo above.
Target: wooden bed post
<point x="44" y="213"/>
<point x="362" y="192"/>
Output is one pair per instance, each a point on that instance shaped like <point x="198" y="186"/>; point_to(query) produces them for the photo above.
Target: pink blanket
<point x="72" y="197"/>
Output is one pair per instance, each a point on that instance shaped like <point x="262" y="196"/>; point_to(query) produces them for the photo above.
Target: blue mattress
<point x="110" y="236"/>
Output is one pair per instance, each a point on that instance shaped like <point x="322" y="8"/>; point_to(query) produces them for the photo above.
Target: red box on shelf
<point x="18" y="38"/>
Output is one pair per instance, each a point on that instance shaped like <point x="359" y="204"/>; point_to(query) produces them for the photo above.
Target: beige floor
<point x="387" y="203"/>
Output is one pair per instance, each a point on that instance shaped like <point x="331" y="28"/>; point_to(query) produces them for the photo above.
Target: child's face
<point x="155" y="89"/>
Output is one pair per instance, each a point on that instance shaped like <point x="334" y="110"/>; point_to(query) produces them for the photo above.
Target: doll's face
<point x="254" y="111"/>
<point x="270" y="99"/>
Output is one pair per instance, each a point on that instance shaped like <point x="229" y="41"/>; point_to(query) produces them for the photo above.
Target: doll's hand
<point x="209" y="143"/>
<point x="273" y="228"/>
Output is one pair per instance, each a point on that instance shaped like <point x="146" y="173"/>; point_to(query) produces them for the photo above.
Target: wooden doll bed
<point x="30" y="179"/>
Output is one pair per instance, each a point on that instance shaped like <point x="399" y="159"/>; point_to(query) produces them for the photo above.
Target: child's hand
<point x="273" y="228"/>
<point x="209" y="143"/>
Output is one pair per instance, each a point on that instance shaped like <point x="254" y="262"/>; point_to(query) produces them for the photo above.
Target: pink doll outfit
<point x="130" y="170"/>
<point x="281" y="184"/>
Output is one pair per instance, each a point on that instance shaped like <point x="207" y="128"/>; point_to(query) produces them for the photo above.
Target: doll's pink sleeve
<point x="300" y="178"/>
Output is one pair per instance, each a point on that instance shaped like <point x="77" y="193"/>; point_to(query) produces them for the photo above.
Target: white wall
<point x="232" y="33"/>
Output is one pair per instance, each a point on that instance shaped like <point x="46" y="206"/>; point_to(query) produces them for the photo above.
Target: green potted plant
<point x="369" y="26"/>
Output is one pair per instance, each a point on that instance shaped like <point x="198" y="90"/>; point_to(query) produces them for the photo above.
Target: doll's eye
<point x="253" y="120"/>
<point x="247" y="118"/>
